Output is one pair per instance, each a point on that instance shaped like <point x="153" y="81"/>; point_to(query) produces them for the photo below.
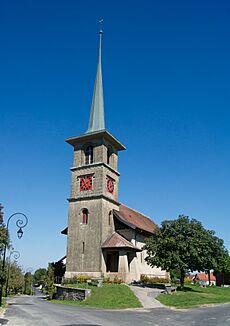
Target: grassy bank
<point x="194" y="296"/>
<point x="110" y="296"/>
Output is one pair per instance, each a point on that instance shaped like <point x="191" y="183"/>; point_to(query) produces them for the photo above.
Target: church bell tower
<point x="94" y="189"/>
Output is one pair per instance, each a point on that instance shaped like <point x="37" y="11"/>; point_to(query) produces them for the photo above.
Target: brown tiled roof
<point x="202" y="276"/>
<point x="117" y="241"/>
<point x="135" y="219"/>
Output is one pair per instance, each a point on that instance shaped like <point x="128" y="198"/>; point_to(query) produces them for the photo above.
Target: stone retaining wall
<point x="73" y="294"/>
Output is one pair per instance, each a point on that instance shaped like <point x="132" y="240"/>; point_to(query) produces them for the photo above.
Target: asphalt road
<point x="35" y="311"/>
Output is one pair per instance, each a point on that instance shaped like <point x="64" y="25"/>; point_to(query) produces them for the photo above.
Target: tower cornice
<point x="92" y="197"/>
<point x="83" y="167"/>
<point x="94" y="135"/>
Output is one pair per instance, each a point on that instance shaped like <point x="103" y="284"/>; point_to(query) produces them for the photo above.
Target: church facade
<point x="104" y="237"/>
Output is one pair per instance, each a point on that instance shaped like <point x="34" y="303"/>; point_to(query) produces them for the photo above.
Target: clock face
<point x="86" y="183"/>
<point x="110" y="185"/>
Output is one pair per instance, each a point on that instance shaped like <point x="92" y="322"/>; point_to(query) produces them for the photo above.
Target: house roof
<point x="63" y="260"/>
<point x="135" y="219"/>
<point x="202" y="276"/>
<point x="116" y="241"/>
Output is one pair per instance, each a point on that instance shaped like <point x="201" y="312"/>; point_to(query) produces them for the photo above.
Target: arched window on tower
<point x="110" y="217"/>
<point x="89" y="155"/>
<point x="85" y="214"/>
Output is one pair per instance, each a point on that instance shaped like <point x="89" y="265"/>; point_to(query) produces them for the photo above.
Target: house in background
<point x="202" y="279"/>
<point x="104" y="237"/>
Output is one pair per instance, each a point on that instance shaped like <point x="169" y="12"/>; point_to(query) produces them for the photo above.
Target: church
<point x="104" y="237"/>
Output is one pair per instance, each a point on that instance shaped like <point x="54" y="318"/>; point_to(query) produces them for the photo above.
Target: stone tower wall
<point x="84" y="240"/>
<point x="84" y="255"/>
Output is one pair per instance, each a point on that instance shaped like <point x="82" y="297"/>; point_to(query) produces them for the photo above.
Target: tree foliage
<point x="50" y="288"/>
<point x="40" y="276"/>
<point x="214" y="252"/>
<point x="4" y="236"/>
<point x="59" y="270"/>
<point x="4" y="243"/>
<point x="224" y="263"/>
<point x="16" y="278"/>
<point x="223" y="268"/>
<point x="183" y="244"/>
<point x="28" y="279"/>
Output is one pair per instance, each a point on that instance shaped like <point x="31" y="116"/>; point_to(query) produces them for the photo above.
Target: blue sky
<point x="166" y="82"/>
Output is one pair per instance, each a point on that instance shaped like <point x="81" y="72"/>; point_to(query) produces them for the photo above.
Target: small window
<point x="85" y="214"/>
<point x="89" y="155"/>
<point x="110" y="217"/>
<point x="109" y="155"/>
<point x="83" y="247"/>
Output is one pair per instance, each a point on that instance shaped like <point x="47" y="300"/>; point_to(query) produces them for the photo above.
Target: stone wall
<point x="73" y="294"/>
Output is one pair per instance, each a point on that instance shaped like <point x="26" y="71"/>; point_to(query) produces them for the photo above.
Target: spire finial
<point x="96" y="120"/>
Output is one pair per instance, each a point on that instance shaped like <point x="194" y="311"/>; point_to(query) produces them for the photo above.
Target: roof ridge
<point x="139" y="213"/>
<point x="122" y="241"/>
<point x="109" y="237"/>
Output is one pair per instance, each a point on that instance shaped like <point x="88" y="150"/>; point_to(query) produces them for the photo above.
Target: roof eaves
<point x="119" y="217"/>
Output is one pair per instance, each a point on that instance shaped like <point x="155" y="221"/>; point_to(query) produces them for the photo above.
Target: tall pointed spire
<point x="97" y="120"/>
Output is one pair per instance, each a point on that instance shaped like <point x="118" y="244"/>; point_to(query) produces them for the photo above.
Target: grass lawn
<point x="111" y="296"/>
<point x="194" y="296"/>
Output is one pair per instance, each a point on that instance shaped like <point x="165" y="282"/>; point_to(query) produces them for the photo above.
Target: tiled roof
<point x="202" y="276"/>
<point x="117" y="241"/>
<point x="135" y="219"/>
<point x="131" y="218"/>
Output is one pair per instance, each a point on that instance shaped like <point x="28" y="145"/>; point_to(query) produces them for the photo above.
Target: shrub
<point x="115" y="280"/>
<point x="107" y="280"/>
<point x="153" y="280"/>
<point x="187" y="280"/>
<point x="76" y="279"/>
<point x="80" y="279"/>
<point x="67" y="281"/>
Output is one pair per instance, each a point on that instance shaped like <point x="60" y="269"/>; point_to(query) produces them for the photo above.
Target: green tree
<point x="28" y="279"/>
<point x="40" y="276"/>
<point x="50" y="287"/>
<point x="59" y="270"/>
<point x="4" y="236"/>
<point x="4" y="243"/>
<point x="223" y="267"/>
<point x="178" y="244"/>
<point x="214" y="251"/>
<point x="16" y="279"/>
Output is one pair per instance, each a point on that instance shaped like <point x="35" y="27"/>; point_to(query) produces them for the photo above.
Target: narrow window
<point x="85" y="214"/>
<point x="109" y="155"/>
<point x="89" y="155"/>
<point x="83" y="247"/>
<point x="110" y="217"/>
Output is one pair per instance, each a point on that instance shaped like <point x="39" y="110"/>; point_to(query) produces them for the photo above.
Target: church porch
<point x="119" y="258"/>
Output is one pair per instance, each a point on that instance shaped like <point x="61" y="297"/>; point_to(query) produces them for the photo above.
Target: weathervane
<point x="101" y="25"/>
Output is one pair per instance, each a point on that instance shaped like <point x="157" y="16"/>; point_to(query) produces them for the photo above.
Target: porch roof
<point x="116" y="241"/>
